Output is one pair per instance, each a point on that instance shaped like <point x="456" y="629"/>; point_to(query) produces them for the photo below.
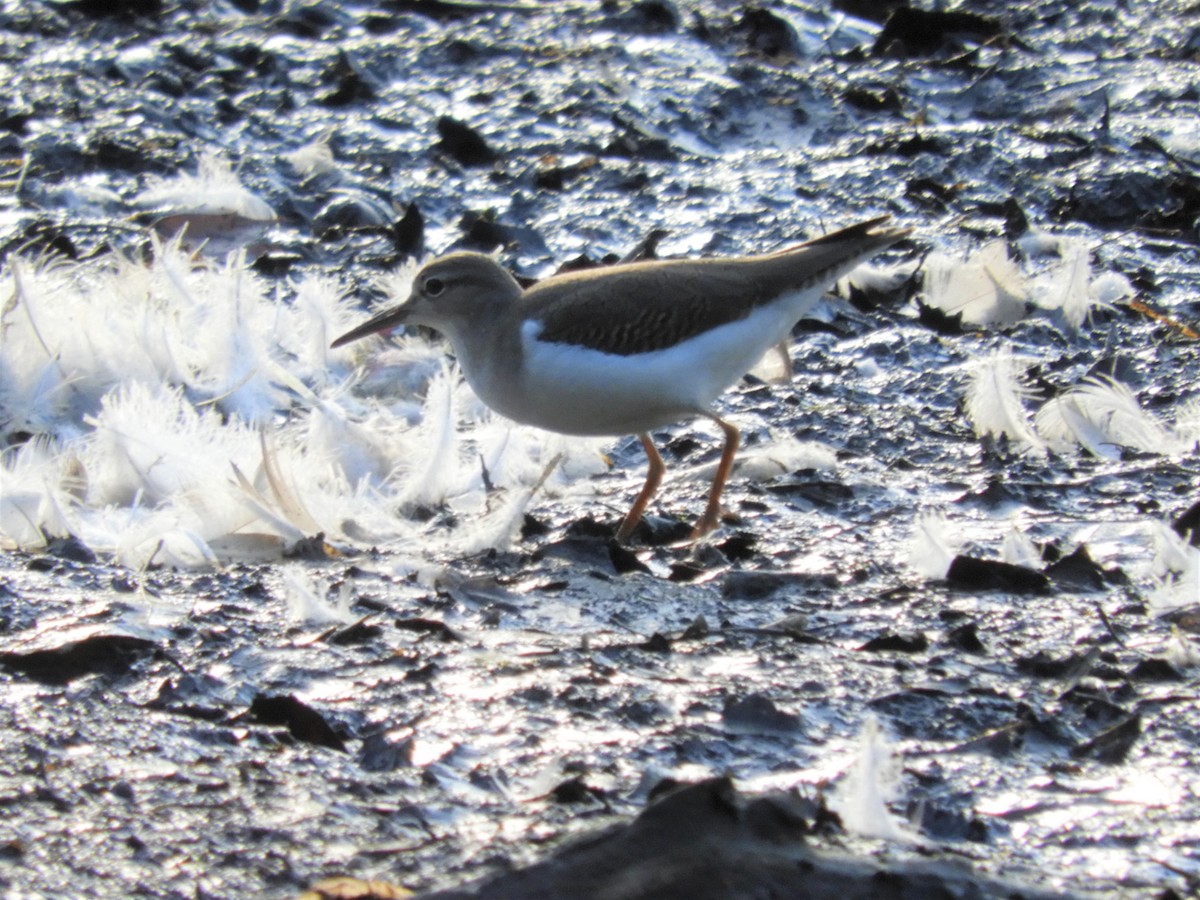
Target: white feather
<point x="306" y="602"/>
<point x="315" y="158"/>
<point x="872" y="781"/>
<point x="995" y="401"/>
<point x="1067" y="287"/>
<point x="1178" y="591"/>
<point x="1018" y="549"/>
<point x="987" y="289"/>
<point x="930" y="549"/>
<point x="214" y="189"/>
<point x="1101" y="415"/>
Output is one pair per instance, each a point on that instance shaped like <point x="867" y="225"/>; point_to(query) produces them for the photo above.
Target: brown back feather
<point x="640" y="307"/>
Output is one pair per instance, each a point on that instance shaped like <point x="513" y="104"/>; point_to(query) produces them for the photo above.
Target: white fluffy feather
<point x="986" y="289"/>
<point x="873" y="780"/>
<point x="996" y="399"/>
<point x="1102" y="415"/>
<point x="931" y="549"/>
<point x="214" y="189"/>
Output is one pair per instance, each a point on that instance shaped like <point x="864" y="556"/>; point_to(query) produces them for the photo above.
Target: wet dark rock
<point x="687" y="573"/>
<point x="1155" y="669"/>
<point x="874" y="100"/>
<point x="966" y="638"/>
<point x="348" y="85"/>
<point x="751" y="585"/>
<point x="71" y="548"/>
<point x="556" y="177"/>
<point x="911" y="31"/>
<point x="428" y="626"/>
<point x="591" y="552"/>
<point x="708" y="842"/>
<point x="1187" y="524"/>
<point x="303" y="722"/>
<point x="120" y="9"/>
<point x="45" y="236"/>
<point x="658" y="531"/>
<point x="658" y="643"/>
<point x="869" y="10"/>
<point x="358" y="633"/>
<point x="939" y="321"/>
<point x="484" y="233"/>
<point x="970" y="573"/>
<point x="758" y="714"/>
<point x="1079" y="570"/>
<point x="380" y="753"/>
<point x="276" y="263"/>
<point x="311" y="548"/>
<point x="739" y="547"/>
<point x="638" y="140"/>
<point x="463" y="143"/>
<point x="1045" y="665"/>
<point x="697" y="630"/>
<point x="646" y="16"/>
<point x="820" y="492"/>
<point x="1131" y="198"/>
<point x="408" y="233"/>
<point x="99" y="654"/>
<point x="576" y="790"/>
<point x="999" y="742"/>
<point x="443" y="10"/>
<point x="624" y="561"/>
<point x="768" y="33"/>
<point x="190" y="696"/>
<point x="899" y="643"/>
<point x="1113" y="744"/>
<point x="944" y="823"/>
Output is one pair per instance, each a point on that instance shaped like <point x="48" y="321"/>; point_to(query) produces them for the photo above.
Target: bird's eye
<point x="434" y="287"/>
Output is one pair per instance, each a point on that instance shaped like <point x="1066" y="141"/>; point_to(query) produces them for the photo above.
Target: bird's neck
<point x="490" y="355"/>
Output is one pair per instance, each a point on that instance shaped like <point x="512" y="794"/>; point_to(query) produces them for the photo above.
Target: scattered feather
<point x="1034" y="243"/>
<point x="432" y="468"/>
<point x="312" y="159"/>
<point x="306" y="599"/>
<point x="214" y="189"/>
<point x="783" y="455"/>
<point x="930" y="549"/>
<point x="870" y="784"/>
<point x="1176" y="591"/>
<point x="988" y="289"/>
<point x="1018" y="550"/>
<point x="1068" y="287"/>
<point x="1102" y="415"/>
<point x="1110" y="288"/>
<point x="1171" y="553"/>
<point x="1181" y="651"/>
<point x="871" y="279"/>
<point x="995" y="401"/>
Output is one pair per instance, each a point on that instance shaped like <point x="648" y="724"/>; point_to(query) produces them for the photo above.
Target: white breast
<point x="575" y="390"/>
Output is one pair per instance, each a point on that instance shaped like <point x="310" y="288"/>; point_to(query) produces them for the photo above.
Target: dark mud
<point x="177" y="733"/>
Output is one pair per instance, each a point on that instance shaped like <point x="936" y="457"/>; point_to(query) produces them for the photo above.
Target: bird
<point x="629" y="348"/>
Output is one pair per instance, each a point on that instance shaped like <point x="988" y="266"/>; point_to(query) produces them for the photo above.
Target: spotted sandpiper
<point x="628" y="348"/>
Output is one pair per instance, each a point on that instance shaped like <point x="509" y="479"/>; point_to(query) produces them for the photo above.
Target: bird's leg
<point x="712" y="512"/>
<point x="653" y="479"/>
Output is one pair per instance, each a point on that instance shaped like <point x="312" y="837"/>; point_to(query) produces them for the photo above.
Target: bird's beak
<point x="385" y="321"/>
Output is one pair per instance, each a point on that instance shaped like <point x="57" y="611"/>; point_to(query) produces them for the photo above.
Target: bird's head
<point x="452" y="293"/>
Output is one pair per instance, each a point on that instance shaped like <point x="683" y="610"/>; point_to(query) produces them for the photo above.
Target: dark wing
<point x="638" y="308"/>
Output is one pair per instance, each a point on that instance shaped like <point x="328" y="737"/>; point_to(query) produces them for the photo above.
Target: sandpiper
<point x="628" y="348"/>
